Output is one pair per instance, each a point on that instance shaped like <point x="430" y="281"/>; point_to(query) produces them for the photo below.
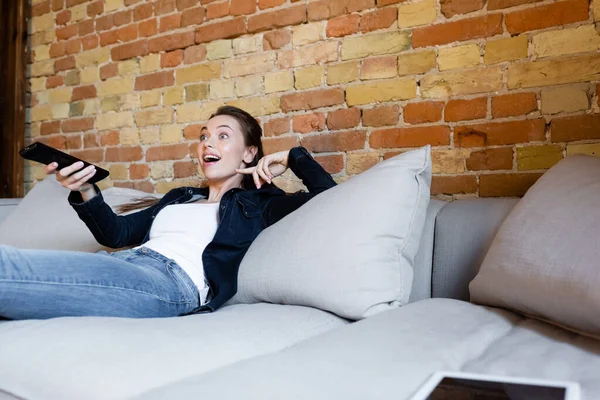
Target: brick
<point x="129" y="50"/>
<point x="196" y="92"/>
<point x="273" y="145"/>
<point x="506" y="49"/>
<point x="105" y="23"/>
<point x="464" y="110"/>
<point x="60" y="95"/>
<point x="217" y="10"/>
<point x="113" y="120"/>
<point x="451" y="8"/>
<point x="343" y="119"/>
<point x="381" y="116"/>
<point x="143" y="11"/>
<point x="122" y="17"/>
<point x="171" y="133"/>
<point x="63" y="17"/>
<point x="538" y="157"/>
<point x="95" y="8"/>
<point x="58" y="5"/>
<point x="89" y="42"/>
<point x="43" y="68"/>
<point x="580" y="127"/>
<point x="263" y="4"/>
<point x="72" y="78"/>
<point x="171" y="59"/>
<point x="77" y="125"/>
<point x="357" y="163"/>
<point x="138" y="171"/>
<point x="342" y="73"/>
<point x="379" y="67"/>
<point x="109" y="71"/>
<point x="41" y="112"/>
<point x="416" y="63"/>
<point x="57" y="50"/>
<point x="197" y="111"/>
<point x="64" y="64"/>
<point x="460" y="184"/>
<point x="219" y="49"/>
<point x="337" y="141"/>
<point x="92" y="57"/>
<point x="447" y="84"/>
<point x="410" y="137"/>
<point x="500" y="4"/>
<point x="458" y="57"/>
<point x="451" y="161"/>
<point x="381" y="91"/>
<point x="108" y="38"/>
<point x="506" y="185"/>
<point x="168" y="152"/>
<point x="591" y="149"/>
<point x="171" y="42"/>
<point x="123" y="154"/>
<point x="129" y="67"/>
<point x="184" y="169"/>
<point x="170" y="22"/>
<point x="198" y="73"/>
<point x="128" y="33"/>
<point x="582" y="39"/>
<point x="277" y="126"/>
<point x="250" y="65"/>
<point x="458" y="31"/>
<point x="155" y="80"/>
<point x="48" y="128"/>
<point x="42" y="23"/>
<point x="85" y="27"/>
<point x="309" y="77"/>
<point x="277" y="19"/>
<point x="419" y="13"/>
<point x="596" y="9"/>
<point x="343" y="25"/>
<point x="67" y="32"/>
<point x="154" y="117"/>
<point x="109" y="138"/>
<point x="221" y="30"/>
<point x="280" y="81"/>
<point x="564" y="99"/>
<point x="494" y="159"/>
<point x="89" y="75"/>
<point x="308" y="123"/>
<point x="149" y="135"/>
<point x="224" y="89"/>
<point x="111" y="5"/>
<point x="194" y="54"/>
<point x="242" y="7"/>
<point x="257" y="106"/>
<point x="333" y="163"/>
<point x="192" y="132"/>
<point x="544" y="16"/>
<point x="379" y="19"/>
<point x="115" y="86"/>
<point x="246" y="45"/>
<point x="312" y="99"/>
<point x="418" y="113"/>
<point x="38" y="84"/>
<point x="164" y="6"/>
<point x="326" y="9"/>
<point x="554" y="72"/>
<point x="84" y="92"/>
<point x="91" y="140"/>
<point x="148" y="28"/>
<point x="513" y="104"/>
<point x="307" y="33"/>
<point x="308" y="55"/>
<point x="192" y="16"/>
<point x="375" y="44"/>
<point x="276" y="39"/>
<point x="40" y="8"/>
<point x="150" y="98"/>
<point x="500" y="133"/>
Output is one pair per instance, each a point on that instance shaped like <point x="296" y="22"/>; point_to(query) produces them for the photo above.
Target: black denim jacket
<point x="243" y="214"/>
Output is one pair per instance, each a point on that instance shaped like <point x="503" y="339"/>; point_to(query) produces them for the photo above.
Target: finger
<point x="71" y="168"/>
<point x="267" y="171"/>
<point x="50" y="168"/>
<point x="257" y="179"/>
<point x="261" y="172"/>
<point x="82" y="181"/>
<point x="244" y="170"/>
<point x="78" y="175"/>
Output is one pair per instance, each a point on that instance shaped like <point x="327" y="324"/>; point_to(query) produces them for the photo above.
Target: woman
<point x="188" y="245"/>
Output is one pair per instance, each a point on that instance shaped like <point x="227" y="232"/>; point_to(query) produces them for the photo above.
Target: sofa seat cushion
<point x="390" y="355"/>
<point x="106" y="358"/>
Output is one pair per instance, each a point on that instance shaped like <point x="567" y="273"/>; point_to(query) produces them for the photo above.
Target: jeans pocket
<point x="187" y="288"/>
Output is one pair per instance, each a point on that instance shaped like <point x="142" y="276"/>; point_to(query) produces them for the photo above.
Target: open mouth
<point x="211" y="160"/>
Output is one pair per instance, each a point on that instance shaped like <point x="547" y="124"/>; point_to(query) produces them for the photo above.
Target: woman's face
<point x="222" y="148"/>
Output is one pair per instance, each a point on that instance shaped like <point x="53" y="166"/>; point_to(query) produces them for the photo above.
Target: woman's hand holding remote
<point x="73" y="180"/>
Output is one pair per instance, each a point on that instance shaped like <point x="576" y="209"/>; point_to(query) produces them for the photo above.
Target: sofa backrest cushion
<point x="351" y="249"/>
<point x="545" y="260"/>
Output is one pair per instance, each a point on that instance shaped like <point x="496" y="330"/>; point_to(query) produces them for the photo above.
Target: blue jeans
<point x="140" y="283"/>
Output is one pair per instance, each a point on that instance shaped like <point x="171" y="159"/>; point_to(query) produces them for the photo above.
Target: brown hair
<point x="252" y="137"/>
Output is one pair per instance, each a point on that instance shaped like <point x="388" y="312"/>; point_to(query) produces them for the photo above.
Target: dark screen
<point x="467" y="389"/>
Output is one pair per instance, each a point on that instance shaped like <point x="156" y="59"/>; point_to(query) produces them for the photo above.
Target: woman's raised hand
<point x="71" y="179"/>
<point x="267" y="168"/>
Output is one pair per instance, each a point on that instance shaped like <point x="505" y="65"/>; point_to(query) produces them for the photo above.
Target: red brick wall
<point x="501" y="89"/>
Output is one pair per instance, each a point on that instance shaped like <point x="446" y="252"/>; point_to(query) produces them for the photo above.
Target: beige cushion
<point x="350" y="250"/>
<point x="545" y="259"/>
<point x="45" y="220"/>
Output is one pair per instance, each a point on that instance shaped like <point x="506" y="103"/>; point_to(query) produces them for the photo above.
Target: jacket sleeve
<point x="109" y="229"/>
<point x="314" y="177"/>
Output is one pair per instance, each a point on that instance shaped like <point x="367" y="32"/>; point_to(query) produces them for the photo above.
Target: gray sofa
<point x="269" y="351"/>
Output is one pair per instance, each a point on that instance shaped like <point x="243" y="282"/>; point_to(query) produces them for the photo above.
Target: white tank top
<point x="181" y="232"/>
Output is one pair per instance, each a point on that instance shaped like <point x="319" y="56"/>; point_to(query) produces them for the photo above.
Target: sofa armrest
<point x="7" y="206"/>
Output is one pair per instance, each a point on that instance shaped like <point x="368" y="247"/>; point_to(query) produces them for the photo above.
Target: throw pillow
<point x="545" y="259"/>
<point x="45" y="220"/>
<point x="349" y="250"/>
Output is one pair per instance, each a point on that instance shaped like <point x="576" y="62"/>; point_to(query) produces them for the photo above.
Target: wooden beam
<point x="13" y="87"/>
